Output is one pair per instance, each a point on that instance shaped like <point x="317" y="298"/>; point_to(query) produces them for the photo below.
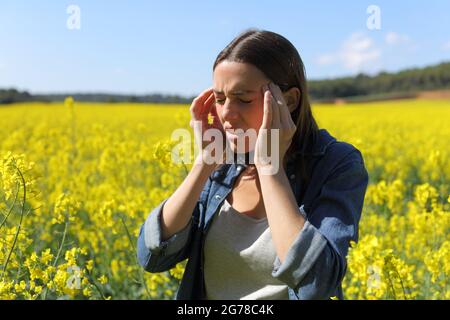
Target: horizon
<point x="185" y="96"/>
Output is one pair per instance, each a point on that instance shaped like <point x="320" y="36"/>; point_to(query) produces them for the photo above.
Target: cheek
<point x="252" y="115"/>
<point x="257" y="114"/>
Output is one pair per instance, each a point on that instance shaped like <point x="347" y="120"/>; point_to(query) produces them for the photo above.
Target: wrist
<point x="270" y="169"/>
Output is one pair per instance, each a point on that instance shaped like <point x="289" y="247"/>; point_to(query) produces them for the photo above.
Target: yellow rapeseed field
<point x="77" y="180"/>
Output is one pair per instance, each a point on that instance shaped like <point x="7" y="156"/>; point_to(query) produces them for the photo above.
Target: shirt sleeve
<point x="315" y="263"/>
<point x="157" y="255"/>
<point x="153" y="234"/>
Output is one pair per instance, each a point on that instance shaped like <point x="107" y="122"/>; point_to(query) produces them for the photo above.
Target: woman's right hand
<point x="201" y="107"/>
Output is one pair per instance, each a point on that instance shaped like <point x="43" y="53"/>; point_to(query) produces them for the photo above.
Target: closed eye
<point x="222" y="101"/>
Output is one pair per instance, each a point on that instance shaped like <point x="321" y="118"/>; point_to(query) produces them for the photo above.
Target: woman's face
<point x="239" y="99"/>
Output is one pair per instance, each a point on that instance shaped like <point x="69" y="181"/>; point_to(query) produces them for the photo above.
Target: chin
<point x="232" y="141"/>
<point x="234" y="147"/>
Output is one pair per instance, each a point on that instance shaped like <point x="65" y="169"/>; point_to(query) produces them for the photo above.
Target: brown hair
<point x="280" y="61"/>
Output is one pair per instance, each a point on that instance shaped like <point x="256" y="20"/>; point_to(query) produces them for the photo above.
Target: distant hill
<point x="403" y="84"/>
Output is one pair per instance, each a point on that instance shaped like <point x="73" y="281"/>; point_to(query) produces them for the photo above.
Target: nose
<point x="230" y="111"/>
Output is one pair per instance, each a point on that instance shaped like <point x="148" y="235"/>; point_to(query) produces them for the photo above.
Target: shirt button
<point x="292" y="176"/>
<point x="217" y="197"/>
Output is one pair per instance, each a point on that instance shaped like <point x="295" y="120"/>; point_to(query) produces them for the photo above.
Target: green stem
<point x="96" y="286"/>
<point x="401" y="282"/>
<point x="10" y="209"/>
<point x="141" y="275"/>
<point x="387" y="265"/>
<point x="22" y="209"/>
<point x="66" y="226"/>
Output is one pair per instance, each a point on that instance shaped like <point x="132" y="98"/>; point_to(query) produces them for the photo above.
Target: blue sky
<point x="138" y="47"/>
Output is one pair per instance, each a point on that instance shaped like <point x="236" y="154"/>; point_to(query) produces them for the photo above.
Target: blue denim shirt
<point x="315" y="263"/>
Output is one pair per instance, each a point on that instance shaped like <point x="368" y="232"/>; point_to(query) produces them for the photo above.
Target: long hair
<point x="280" y="61"/>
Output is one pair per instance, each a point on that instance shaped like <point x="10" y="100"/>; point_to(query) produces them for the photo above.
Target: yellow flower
<point x="71" y="256"/>
<point x="34" y="257"/>
<point x="103" y="279"/>
<point x="46" y="256"/>
<point x="90" y="265"/>
<point x="87" y="292"/>
<point x="65" y="209"/>
<point x="20" y="287"/>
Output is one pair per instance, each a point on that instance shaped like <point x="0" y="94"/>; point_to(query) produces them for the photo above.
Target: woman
<point x="250" y="234"/>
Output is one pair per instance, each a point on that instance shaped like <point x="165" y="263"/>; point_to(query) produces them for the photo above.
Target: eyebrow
<point x="235" y="92"/>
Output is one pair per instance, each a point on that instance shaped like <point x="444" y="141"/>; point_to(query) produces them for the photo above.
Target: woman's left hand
<point x="276" y="131"/>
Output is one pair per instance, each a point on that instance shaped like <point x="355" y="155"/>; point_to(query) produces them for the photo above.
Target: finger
<point x="204" y="95"/>
<point x="206" y="108"/>
<point x="267" y="115"/>
<point x="265" y="88"/>
<point x="199" y="102"/>
<point x="285" y="115"/>
<point x="275" y="113"/>
<point x="277" y="93"/>
<point x="286" y="119"/>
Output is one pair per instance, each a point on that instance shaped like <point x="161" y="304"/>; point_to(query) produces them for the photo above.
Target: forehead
<point x="236" y="76"/>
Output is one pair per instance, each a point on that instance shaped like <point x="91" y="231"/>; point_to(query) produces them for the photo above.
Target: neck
<point x="247" y="159"/>
<point x="243" y="158"/>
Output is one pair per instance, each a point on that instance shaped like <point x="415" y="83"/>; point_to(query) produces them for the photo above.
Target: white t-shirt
<point x="239" y="257"/>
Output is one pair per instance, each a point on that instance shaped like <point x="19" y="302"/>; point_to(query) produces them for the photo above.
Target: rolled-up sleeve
<point x="155" y="254"/>
<point x="302" y="254"/>
<point x="153" y="234"/>
<point x="315" y="263"/>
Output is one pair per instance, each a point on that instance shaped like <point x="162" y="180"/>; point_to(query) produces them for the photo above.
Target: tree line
<point x="383" y="84"/>
<point x="360" y="87"/>
<point x="13" y="95"/>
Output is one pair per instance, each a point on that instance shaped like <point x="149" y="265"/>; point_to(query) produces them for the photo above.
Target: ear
<point x="292" y="98"/>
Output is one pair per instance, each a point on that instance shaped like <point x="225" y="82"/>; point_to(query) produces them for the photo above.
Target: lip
<point x="235" y="131"/>
<point x="232" y="128"/>
<point x="232" y="135"/>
